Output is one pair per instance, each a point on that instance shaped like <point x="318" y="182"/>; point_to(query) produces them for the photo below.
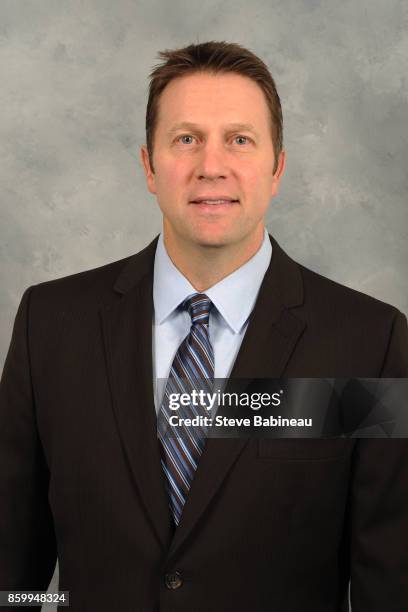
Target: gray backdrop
<point x="72" y="101"/>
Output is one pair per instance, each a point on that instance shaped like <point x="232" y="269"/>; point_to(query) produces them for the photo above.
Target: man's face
<point x="213" y="160"/>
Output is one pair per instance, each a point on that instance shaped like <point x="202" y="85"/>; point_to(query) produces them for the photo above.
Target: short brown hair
<point x="213" y="57"/>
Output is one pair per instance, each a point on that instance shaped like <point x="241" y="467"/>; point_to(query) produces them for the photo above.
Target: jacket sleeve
<point x="27" y="540"/>
<point x="379" y="505"/>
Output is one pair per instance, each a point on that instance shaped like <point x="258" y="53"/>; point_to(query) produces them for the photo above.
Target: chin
<point x="213" y="244"/>
<point x="208" y="239"/>
<point x="215" y="235"/>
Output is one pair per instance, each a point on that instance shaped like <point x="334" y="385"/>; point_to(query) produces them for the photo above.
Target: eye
<point x="185" y="139"/>
<point x="241" y="139"/>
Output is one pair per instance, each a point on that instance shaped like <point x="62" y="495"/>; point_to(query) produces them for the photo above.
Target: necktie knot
<point x="198" y="307"/>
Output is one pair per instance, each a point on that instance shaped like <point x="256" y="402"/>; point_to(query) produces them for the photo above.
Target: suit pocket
<point x="303" y="449"/>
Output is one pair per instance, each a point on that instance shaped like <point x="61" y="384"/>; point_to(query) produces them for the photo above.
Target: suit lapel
<point x="271" y="336"/>
<point x="127" y="330"/>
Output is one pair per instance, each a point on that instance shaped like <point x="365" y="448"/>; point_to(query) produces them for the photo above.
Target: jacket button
<point x="173" y="580"/>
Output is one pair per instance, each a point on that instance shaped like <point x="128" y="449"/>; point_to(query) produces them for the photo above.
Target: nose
<point x="212" y="162"/>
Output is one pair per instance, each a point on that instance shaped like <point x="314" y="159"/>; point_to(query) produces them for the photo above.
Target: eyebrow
<point x="187" y="125"/>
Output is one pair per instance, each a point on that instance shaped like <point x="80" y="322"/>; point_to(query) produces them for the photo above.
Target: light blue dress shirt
<point x="233" y="297"/>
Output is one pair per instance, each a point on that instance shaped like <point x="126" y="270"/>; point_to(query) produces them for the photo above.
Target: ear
<point x="278" y="173"/>
<point x="150" y="179"/>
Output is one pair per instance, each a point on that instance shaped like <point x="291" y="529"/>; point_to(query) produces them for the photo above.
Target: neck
<point x="206" y="265"/>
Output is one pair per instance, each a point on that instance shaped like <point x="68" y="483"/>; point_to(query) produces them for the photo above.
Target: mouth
<point x="222" y="201"/>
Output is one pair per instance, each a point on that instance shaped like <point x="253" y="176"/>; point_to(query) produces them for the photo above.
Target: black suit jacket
<point x="269" y="524"/>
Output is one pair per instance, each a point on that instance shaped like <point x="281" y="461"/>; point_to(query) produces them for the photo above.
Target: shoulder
<point x="91" y="288"/>
<point x="324" y="294"/>
<point x="354" y="331"/>
<point x="82" y="288"/>
<point x="321" y="299"/>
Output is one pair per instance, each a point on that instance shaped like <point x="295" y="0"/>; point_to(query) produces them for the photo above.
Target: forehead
<point x="212" y="99"/>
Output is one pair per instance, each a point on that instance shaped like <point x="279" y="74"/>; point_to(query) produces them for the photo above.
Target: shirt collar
<point x="234" y="296"/>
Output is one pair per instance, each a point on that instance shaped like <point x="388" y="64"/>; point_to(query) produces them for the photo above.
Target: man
<point x="137" y="522"/>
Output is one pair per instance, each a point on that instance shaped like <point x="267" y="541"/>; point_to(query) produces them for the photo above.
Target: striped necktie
<point x="192" y="368"/>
